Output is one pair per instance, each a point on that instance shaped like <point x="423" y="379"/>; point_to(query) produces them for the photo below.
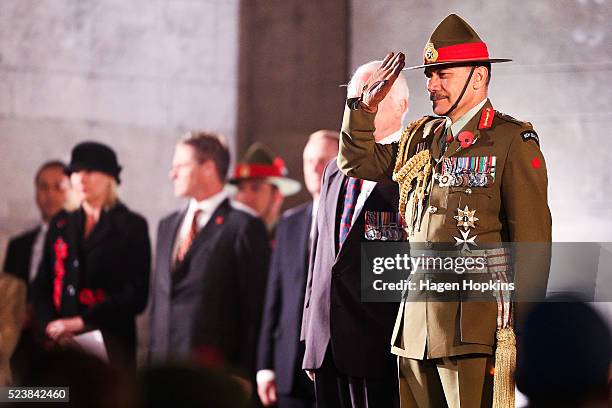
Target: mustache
<point x="436" y="96"/>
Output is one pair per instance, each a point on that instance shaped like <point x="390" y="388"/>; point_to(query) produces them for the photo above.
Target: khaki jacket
<point x="511" y="208"/>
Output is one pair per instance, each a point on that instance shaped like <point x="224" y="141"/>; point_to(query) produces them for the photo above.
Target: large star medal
<point x="465" y="218"/>
<point x="465" y="240"/>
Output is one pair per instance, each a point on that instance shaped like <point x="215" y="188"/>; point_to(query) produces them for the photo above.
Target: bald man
<point x="347" y="341"/>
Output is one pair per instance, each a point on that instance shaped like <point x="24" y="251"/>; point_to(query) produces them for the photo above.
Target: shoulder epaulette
<point x="509" y="118"/>
<point x="527" y="132"/>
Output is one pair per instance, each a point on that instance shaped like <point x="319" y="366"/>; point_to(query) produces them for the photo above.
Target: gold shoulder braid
<point x="419" y="167"/>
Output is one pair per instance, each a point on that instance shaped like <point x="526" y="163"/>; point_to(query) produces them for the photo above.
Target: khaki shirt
<point x="511" y="208"/>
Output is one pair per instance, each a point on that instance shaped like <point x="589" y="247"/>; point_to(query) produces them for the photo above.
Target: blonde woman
<point x="95" y="268"/>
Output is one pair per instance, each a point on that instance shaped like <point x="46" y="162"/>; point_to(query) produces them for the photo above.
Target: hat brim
<point x="76" y="167"/>
<point x="459" y="62"/>
<point x="285" y="185"/>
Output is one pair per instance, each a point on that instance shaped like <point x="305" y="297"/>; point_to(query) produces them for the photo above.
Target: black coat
<point x="106" y="276"/>
<point x="19" y="254"/>
<point x="210" y="305"/>
<point x="279" y="343"/>
<point x="360" y="333"/>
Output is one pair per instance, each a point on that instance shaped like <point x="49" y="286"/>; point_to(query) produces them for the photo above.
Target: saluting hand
<point x="381" y="81"/>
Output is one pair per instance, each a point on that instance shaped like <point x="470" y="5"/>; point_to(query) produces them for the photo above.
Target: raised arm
<point x="360" y="156"/>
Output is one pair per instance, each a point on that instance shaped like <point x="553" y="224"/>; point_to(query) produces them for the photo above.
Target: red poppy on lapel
<point x="466" y="138"/>
<point x="219" y="220"/>
<point x="536" y="163"/>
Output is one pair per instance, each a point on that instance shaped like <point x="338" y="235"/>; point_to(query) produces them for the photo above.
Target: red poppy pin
<point x="86" y="297"/>
<point x="536" y="163"/>
<point x="219" y="220"/>
<point x="466" y="138"/>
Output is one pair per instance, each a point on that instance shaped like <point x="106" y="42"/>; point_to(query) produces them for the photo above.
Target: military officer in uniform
<point x="469" y="176"/>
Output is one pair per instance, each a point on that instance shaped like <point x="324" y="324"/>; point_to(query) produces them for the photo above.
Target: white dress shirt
<point x="368" y="186"/>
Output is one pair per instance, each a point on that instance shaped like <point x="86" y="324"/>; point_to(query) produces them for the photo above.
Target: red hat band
<point x="246" y="170"/>
<point x="459" y="52"/>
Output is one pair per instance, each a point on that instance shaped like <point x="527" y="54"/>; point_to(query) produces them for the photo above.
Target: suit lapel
<point x="102" y="229"/>
<point x="332" y="200"/>
<point x="304" y="233"/>
<point x="209" y="232"/>
<point x="173" y="229"/>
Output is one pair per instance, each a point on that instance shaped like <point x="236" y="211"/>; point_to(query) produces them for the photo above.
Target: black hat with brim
<point x="94" y="156"/>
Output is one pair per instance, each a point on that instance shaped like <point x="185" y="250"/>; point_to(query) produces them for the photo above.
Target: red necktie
<point x="188" y="240"/>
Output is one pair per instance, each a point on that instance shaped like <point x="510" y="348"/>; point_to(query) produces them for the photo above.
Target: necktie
<point x="188" y="240"/>
<point x="445" y="140"/>
<point x="353" y="188"/>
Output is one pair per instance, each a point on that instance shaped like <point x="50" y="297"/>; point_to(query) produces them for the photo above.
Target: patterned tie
<point x="353" y="188"/>
<point x="188" y="240"/>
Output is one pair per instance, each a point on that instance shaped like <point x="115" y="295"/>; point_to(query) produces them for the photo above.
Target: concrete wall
<point x="293" y="57"/>
<point x="134" y="74"/>
<point x="559" y="81"/>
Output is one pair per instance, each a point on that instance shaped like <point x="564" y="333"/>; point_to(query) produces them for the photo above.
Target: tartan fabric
<point x="353" y="188"/>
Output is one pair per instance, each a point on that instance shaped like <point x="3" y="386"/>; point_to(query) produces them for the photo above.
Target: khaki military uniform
<point x="512" y="207"/>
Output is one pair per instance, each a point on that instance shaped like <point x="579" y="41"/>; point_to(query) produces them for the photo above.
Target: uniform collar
<point x="463" y="120"/>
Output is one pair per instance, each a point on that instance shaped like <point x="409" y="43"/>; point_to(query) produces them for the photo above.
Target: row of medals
<point x="476" y="171"/>
<point x="385" y="226"/>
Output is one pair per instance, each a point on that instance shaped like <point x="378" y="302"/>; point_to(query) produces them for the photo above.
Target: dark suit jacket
<point x="106" y="276"/>
<point x="211" y="304"/>
<point x="279" y="343"/>
<point x="19" y="254"/>
<point x="359" y="332"/>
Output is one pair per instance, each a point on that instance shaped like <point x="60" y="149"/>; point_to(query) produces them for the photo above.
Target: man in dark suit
<point x="211" y="266"/>
<point x="25" y="251"/>
<point x="347" y="341"/>
<point x="280" y="378"/>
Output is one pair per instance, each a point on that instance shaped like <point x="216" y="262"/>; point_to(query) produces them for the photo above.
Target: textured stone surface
<point x="293" y="59"/>
<point x="134" y="74"/>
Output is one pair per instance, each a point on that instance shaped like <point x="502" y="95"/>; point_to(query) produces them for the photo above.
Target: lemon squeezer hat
<point x="260" y="162"/>
<point x="454" y="42"/>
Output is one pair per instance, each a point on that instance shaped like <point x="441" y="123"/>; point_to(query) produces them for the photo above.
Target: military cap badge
<point x="430" y="54"/>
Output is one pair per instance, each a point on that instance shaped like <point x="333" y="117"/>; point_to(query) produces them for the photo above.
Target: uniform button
<point x="429" y="244"/>
<point x="75" y="263"/>
<point x="468" y="191"/>
<point x="432" y="209"/>
<point x="70" y="290"/>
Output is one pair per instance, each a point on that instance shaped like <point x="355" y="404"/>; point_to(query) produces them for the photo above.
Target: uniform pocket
<point x="458" y="198"/>
<point x="478" y="322"/>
